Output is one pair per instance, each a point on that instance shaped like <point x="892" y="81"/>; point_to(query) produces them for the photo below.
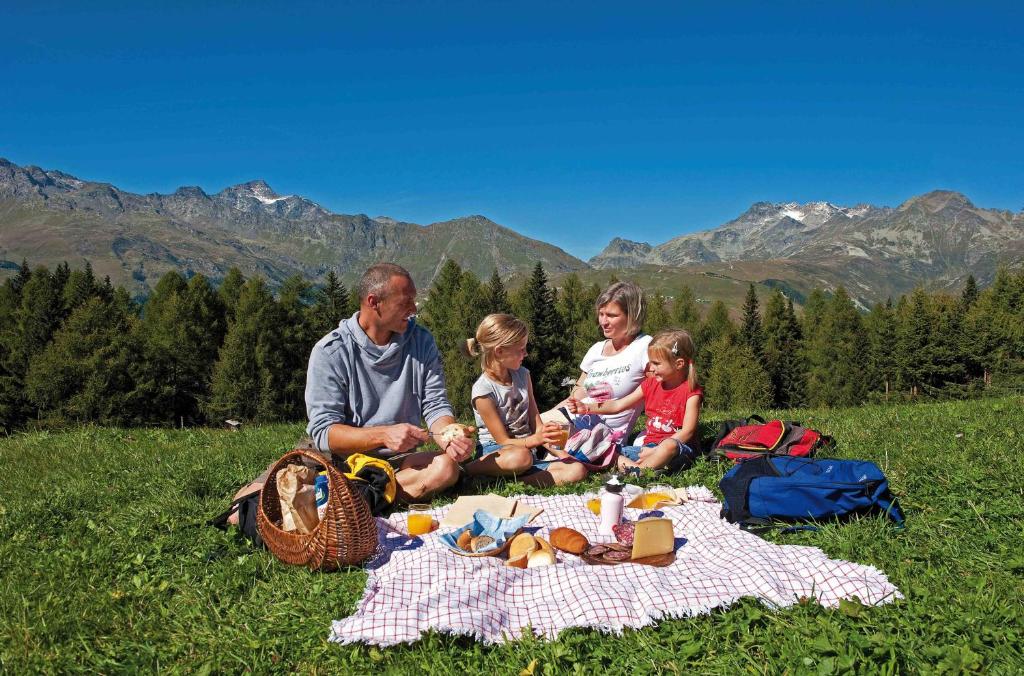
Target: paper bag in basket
<point x="296" y="489"/>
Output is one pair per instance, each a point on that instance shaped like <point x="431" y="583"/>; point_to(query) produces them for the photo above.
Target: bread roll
<point x="539" y="558"/>
<point x="518" y="562"/>
<point x="522" y="544"/>
<point x="569" y="540"/>
<point x="454" y="431"/>
<point x="464" y="540"/>
<point x="481" y="542"/>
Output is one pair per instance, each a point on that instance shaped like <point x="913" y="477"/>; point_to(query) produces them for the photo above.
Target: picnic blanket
<point x="416" y="585"/>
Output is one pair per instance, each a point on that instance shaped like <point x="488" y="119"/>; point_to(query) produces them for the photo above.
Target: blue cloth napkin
<point x="484" y="523"/>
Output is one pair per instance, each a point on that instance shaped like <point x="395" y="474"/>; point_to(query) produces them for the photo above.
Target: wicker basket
<point x="345" y="536"/>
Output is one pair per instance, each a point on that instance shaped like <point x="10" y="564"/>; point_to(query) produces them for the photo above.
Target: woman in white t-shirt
<point x="613" y="367"/>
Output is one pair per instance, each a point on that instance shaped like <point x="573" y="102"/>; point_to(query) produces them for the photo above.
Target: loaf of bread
<point x="569" y="540"/>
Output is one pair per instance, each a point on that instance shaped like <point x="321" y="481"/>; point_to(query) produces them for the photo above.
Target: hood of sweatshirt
<point x="380" y="357"/>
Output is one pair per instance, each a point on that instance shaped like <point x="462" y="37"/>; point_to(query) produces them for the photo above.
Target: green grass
<point x="105" y="565"/>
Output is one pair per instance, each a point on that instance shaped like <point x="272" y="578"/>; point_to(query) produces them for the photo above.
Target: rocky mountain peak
<point x="938" y="200"/>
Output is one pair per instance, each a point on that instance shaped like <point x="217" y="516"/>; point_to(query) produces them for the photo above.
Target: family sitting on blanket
<point x="373" y="380"/>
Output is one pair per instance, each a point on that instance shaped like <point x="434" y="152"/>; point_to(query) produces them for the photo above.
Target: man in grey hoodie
<point x="373" y="380"/>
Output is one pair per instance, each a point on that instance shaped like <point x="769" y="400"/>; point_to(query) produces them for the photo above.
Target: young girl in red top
<point x="671" y="399"/>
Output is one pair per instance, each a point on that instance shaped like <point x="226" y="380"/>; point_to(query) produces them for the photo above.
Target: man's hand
<point x="460" y="449"/>
<point x="404" y="437"/>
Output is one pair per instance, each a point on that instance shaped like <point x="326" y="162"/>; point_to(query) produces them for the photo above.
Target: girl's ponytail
<point x="470" y="348"/>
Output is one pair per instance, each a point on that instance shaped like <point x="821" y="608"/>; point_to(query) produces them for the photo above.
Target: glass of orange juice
<point x="420" y="522"/>
<point x="563" y="436"/>
<point x="593" y="502"/>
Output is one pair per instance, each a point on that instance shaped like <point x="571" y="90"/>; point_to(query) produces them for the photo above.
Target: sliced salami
<point x="597" y="550"/>
<point x="624" y="532"/>
<point x="616" y="555"/>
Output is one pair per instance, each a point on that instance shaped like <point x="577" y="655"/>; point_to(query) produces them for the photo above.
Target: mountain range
<point x="48" y="216"/>
<point x="936" y="239"/>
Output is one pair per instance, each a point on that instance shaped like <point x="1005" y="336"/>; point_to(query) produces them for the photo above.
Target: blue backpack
<point x="767" y="489"/>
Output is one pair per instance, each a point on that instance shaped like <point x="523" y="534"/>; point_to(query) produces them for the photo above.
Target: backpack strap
<point x="221" y="520"/>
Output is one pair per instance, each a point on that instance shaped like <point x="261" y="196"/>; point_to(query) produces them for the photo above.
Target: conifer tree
<point x="576" y="305"/>
<point x="79" y="287"/>
<point x="783" y="351"/>
<point x="716" y="325"/>
<point x="332" y="305"/>
<point x="949" y="359"/>
<point x="685" y="314"/>
<point x="282" y="349"/>
<point x="452" y="310"/>
<point x="835" y="352"/>
<point x="880" y="325"/>
<point x="496" y="296"/>
<point x="85" y="373"/>
<point x="970" y="294"/>
<point x="19" y="280"/>
<point x="179" y="333"/>
<point x="913" y="342"/>
<point x="461" y="372"/>
<point x="750" y="330"/>
<point x="238" y="378"/>
<point x="657" y="315"/>
<point x="548" y="358"/>
<point x="36" y="315"/>
<point x="61" y="274"/>
<point x="438" y="311"/>
<point x="229" y="291"/>
<point x="736" y="381"/>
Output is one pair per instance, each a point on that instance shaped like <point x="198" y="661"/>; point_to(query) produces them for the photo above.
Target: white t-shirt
<point x="512" y="402"/>
<point x="613" y="378"/>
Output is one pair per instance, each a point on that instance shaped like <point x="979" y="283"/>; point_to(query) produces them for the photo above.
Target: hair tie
<point x="675" y="348"/>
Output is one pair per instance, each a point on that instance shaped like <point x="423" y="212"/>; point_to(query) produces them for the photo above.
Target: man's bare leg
<point x="423" y="475"/>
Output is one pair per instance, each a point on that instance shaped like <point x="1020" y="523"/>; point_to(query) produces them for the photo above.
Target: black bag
<point x="247" y="506"/>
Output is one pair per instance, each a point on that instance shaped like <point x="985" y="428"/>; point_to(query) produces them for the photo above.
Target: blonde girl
<point x="671" y="396"/>
<point x="506" y="413"/>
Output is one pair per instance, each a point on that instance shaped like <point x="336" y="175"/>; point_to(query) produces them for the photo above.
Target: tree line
<point x="77" y="349"/>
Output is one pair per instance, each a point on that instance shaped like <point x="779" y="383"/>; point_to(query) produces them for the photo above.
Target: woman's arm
<point x="612" y="405"/>
<point x="492" y="421"/>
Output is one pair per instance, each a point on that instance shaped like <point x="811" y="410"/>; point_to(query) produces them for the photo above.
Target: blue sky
<point x="569" y="122"/>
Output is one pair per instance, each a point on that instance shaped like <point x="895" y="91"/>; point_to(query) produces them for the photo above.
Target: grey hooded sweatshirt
<point x="355" y="382"/>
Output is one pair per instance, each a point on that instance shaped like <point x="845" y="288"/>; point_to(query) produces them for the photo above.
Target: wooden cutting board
<point x="659" y="560"/>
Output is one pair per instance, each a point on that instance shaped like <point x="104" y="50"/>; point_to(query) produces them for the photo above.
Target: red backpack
<point x="775" y="437"/>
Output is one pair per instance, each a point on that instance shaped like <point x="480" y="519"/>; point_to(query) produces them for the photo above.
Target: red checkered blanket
<point x="415" y="584"/>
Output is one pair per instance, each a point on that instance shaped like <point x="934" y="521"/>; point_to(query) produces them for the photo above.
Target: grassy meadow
<point x="106" y="566"/>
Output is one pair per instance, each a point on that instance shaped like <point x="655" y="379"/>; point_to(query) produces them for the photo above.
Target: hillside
<point x="49" y="216"/>
<point x="110" y="569"/>
<point x="937" y="239"/>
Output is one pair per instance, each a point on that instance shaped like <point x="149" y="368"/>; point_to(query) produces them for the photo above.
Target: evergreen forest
<point x="76" y="349"/>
